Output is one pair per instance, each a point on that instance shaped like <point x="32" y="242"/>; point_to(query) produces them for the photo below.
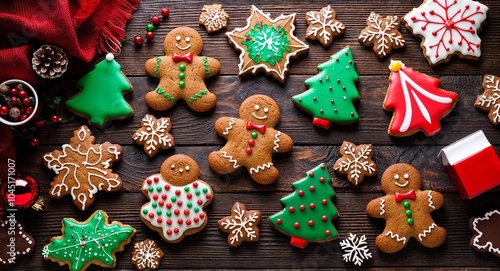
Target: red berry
<point x="38" y="123"/>
<point x="23" y="94"/>
<point x="165" y="12"/>
<point x="54" y="118"/>
<point x="26" y="101"/>
<point x="34" y="142"/>
<point x="28" y="110"/>
<point x="14" y="92"/>
<point x="138" y="40"/>
<point x="14" y="100"/>
<point x="155" y="20"/>
<point x="4" y="110"/>
<point x="23" y="117"/>
<point x="150" y="35"/>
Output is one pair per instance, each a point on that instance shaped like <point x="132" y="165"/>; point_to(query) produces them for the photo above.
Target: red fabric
<point x="82" y="28"/>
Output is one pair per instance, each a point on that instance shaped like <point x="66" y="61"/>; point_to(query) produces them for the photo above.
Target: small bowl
<point x="28" y="88"/>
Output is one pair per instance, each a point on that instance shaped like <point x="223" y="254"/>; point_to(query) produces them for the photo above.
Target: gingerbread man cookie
<point x="182" y="72"/>
<point x="177" y="198"/>
<point x="251" y="140"/>
<point x="406" y="210"/>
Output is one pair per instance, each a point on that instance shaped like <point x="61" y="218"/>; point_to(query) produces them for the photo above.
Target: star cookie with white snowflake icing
<point x="15" y="242"/>
<point x="213" y="17"/>
<point x="153" y="135"/>
<point x="323" y="25"/>
<point x="447" y="28"/>
<point x="485" y="229"/>
<point x="241" y="225"/>
<point x="490" y="99"/>
<point x="356" y="162"/>
<point x="94" y="241"/>
<point x="84" y="168"/>
<point x="176" y="199"/>
<point x="266" y="44"/>
<point x="356" y="249"/>
<point x="146" y="254"/>
<point x="382" y="33"/>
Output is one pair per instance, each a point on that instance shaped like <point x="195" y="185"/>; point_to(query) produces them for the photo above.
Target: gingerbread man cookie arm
<point x="282" y="142"/>
<point x="435" y="200"/>
<point x="224" y="125"/>
<point x="152" y="66"/>
<point x="376" y="208"/>
<point x="211" y="65"/>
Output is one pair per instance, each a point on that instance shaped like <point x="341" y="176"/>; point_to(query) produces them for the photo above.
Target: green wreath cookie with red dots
<point x="177" y="198"/>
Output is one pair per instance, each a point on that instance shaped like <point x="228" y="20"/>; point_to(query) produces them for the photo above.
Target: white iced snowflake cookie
<point x="382" y="33"/>
<point x="146" y="255"/>
<point x="356" y="249"/>
<point x="154" y="135"/>
<point x="241" y="225"/>
<point x="448" y="27"/>
<point x="213" y="17"/>
<point x="356" y="162"/>
<point x="323" y="26"/>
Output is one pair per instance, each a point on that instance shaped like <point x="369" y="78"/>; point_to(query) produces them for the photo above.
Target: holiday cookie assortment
<point x="176" y="198"/>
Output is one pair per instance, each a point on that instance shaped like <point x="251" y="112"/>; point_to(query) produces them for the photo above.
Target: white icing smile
<point x="260" y="118"/>
<point x="402" y="185"/>
<point x="406" y="176"/>
<point x="183" y="48"/>
<point x="257" y="107"/>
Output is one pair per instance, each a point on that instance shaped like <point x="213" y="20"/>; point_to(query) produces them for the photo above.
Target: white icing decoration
<point x="155" y="135"/>
<point x="241" y="226"/>
<point x="231" y="160"/>
<point x="382" y="206"/>
<point x="406" y="176"/>
<point x="82" y="133"/>
<point x="383" y="38"/>
<point x="405" y="81"/>
<point x="396" y="177"/>
<point x="454" y="26"/>
<point x="179" y="198"/>
<point x="356" y="249"/>
<point x="425" y="232"/>
<point x="188" y="168"/>
<point x="492" y="101"/>
<point x="110" y="57"/>
<point x="261" y="167"/>
<point x="213" y="17"/>
<point x="231" y="122"/>
<point x="183" y="48"/>
<point x="488" y="245"/>
<point x="356" y="165"/>
<point x="259" y="117"/>
<point x="403" y="184"/>
<point x="282" y="70"/>
<point x="431" y="203"/>
<point x="256" y="107"/>
<point x="396" y="236"/>
<point x="325" y="24"/>
<point x="276" y="141"/>
<point x="19" y="228"/>
<point x="147" y="255"/>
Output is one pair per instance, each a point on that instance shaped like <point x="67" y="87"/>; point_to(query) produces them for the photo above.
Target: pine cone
<point x="49" y="61"/>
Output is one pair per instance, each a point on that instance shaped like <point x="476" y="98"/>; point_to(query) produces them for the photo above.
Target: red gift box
<point x="473" y="165"/>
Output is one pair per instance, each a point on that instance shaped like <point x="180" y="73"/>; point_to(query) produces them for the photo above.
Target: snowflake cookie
<point x="485" y="229"/>
<point x="94" y="241"/>
<point x="266" y="45"/>
<point x="356" y="162"/>
<point x="15" y="241"/>
<point x="241" y="225"/>
<point x="323" y="25"/>
<point x="490" y="99"/>
<point x="147" y="255"/>
<point x="448" y="27"/>
<point x="382" y="33"/>
<point x="356" y="249"/>
<point x="154" y="135"/>
<point x="213" y="17"/>
<point x="83" y="168"/>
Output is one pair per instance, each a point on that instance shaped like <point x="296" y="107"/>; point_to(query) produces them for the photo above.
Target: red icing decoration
<point x="167" y="187"/>
<point x="312" y="205"/>
<point x="296" y="224"/>
<point x="311" y="174"/>
<point x="208" y="196"/>
<point x="164" y="196"/>
<point x="149" y="181"/>
<point x="408" y="195"/>
<point x="260" y="128"/>
<point x="324" y="218"/>
<point x="159" y="220"/>
<point x="310" y="223"/>
<point x="178" y="192"/>
<point x="180" y="221"/>
<point x="189" y="195"/>
<point x="169" y="232"/>
<point x="279" y="221"/>
<point x="196" y="220"/>
<point x="327" y="233"/>
<point x="179" y="203"/>
<point x="186" y="212"/>
<point x="177" y="212"/>
<point x="417" y="101"/>
<point x="324" y="201"/>
<point x="248" y="150"/>
<point x="176" y="230"/>
<point x="195" y="184"/>
<point x="155" y="197"/>
<point x="151" y="215"/>
<point x="187" y="57"/>
<point x="321" y="123"/>
<point x="302" y="207"/>
<point x="169" y="205"/>
<point x="301" y="193"/>
<point x="161" y="203"/>
<point x="156" y="179"/>
<point x="188" y="222"/>
<point x="298" y="242"/>
<point x="169" y="222"/>
<point x="200" y="202"/>
<point x="251" y="142"/>
<point x="202" y="216"/>
<point x="312" y="188"/>
<point x="291" y="209"/>
<point x="322" y="179"/>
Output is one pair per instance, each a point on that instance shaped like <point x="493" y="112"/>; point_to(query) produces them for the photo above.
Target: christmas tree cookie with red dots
<point x="406" y="210"/>
<point x="176" y="199"/>
<point x="309" y="210"/>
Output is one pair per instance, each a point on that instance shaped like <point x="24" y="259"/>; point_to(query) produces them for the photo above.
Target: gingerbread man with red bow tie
<point x="182" y="72"/>
<point x="406" y="210"/>
<point x="251" y="140"/>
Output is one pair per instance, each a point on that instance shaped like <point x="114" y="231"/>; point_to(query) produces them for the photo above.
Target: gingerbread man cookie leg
<point x="182" y="72"/>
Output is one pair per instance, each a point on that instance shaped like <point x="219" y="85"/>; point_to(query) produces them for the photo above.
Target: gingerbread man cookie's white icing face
<point x="260" y="111"/>
<point x="183" y="40"/>
<point x="401" y="179"/>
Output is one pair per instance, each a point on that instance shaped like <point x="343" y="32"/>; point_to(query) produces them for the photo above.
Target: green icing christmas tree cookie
<point x="101" y="98"/>
<point x="94" y="241"/>
<point x="309" y="210"/>
<point x="331" y="92"/>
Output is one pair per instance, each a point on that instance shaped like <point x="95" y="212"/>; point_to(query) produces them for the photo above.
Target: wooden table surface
<point x="195" y="136"/>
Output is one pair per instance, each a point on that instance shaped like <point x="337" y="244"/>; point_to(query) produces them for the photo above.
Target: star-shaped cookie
<point x="490" y="99"/>
<point x="382" y="33"/>
<point x="266" y="45"/>
<point x="13" y="236"/>
<point x="153" y="135"/>
<point x="356" y="162"/>
<point x="323" y="25"/>
<point x="241" y="225"/>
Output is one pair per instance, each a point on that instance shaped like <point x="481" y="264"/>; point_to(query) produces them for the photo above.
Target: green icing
<point x="314" y="192"/>
<point x="157" y="66"/>
<point x="101" y="97"/>
<point x="164" y="94"/>
<point x="332" y="91"/>
<point x="198" y="95"/>
<point x="266" y="43"/>
<point x="205" y="64"/>
<point x="92" y="240"/>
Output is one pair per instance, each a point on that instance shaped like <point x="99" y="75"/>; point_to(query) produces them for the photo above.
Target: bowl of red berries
<point x="18" y="102"/>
